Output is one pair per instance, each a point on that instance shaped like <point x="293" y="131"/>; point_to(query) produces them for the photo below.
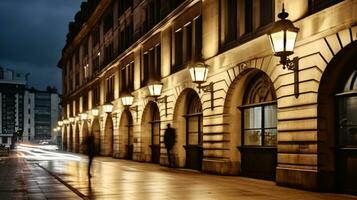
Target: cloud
<point x="33" y="34"/>
<point x="38" y="78"/>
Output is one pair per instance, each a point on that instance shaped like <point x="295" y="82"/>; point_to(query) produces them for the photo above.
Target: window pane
<point x="270" y="116"/>
<point x="348" y="121"/>
<point x="193" y="130"/>
<point x="253" y="118"/>
<point x="270" y="137"/>
<point x="253" y="137"/>
<point x="156" y="133"/>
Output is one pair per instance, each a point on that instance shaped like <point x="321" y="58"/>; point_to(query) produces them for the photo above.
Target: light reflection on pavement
<point x="42" y="152"/>
<point x="129" y="180"/>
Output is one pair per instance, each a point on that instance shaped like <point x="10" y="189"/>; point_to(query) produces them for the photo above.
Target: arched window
<point x="259" y="113"/>
<point x="347" y="113"/>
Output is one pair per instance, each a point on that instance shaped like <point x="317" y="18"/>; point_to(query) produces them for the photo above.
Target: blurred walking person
<point x="91" y="152"/>
<point x="169" y="141"/>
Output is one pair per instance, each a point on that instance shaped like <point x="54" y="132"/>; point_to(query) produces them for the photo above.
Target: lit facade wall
<point x="303" y="156"/>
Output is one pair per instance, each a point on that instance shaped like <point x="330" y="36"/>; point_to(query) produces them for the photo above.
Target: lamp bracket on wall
<point x="162" y="100"/>
<point x="294" y="66"/>
<point x="135" y="109"/>
<point x="207" y="88"/>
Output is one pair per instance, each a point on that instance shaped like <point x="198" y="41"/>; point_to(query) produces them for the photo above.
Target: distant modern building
<point x="25" y="113"/>
<point x="249" y="92"/>
<point x="12" y="89"/>
<point x="41" y="114"/>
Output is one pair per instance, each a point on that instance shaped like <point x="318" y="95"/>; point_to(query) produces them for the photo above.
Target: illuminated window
<point x="259" y="113"/>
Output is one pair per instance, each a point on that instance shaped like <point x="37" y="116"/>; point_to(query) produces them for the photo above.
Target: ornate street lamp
<point x="127" y="99"/>
<point x="95" y="112"/>
<point x="108" y="107"/>
<point x="198" y="72"/>
<point x="66" y="121"/>
<point x="84" y="116"/>
<point x="71" y="120"/>
<point x="155" y="89"/>
<point x="282" y="38"/>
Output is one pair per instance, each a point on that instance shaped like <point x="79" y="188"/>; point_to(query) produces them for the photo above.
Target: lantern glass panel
<point x="95" y="112"/>
<point x="127" y="100"/>
<point x="277" y="41"/>
<point x="155" y="89"/>
<point x="290" y="40"/>
<point x="84" y="116"/>
<point x="199" y="73"/>
<point x="108" y="108"/>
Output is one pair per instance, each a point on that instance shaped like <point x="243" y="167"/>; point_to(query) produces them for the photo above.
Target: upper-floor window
<point x="85" y="102"/>
<point x="108" y="21"/>
<point x="126" y="37"/>
<point x="95" y="95"/>
<point x="96" y="35"/>
<point x="187" y="43"/>
<point x="240" y="17"/>
<point x="108" y="52"/>
<point x="85" y="71"/>
<point x="126" y="79"/>
<point x="109" y="89"/>
<point x="124" y="5"/>
<point x="96" y="62"/>
<point x="151" y="68"/>
<point x="317" y="5"/>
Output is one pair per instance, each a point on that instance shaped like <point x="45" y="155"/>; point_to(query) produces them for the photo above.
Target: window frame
<point x="262" y="128"/>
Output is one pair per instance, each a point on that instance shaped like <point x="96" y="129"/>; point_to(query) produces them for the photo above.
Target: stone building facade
<point x="250" y="122"/>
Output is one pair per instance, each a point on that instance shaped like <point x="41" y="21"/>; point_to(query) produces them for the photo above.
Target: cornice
<point x="85" y="30"/>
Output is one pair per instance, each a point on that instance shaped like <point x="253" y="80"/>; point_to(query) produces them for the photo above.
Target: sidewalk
<point x="131" y="180"/>
<point x="22" y="180"/>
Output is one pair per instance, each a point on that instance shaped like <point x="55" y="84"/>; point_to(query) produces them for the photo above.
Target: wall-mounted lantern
<point x="108" y="107"/>
<point x="71" y="120"/>
<point x="155" y="89"/>
<point x="95" y="112"/>
<point x="65" y="121"/>
<point x="198" y="72"/>
<point x="84" y="116"/>
<point x="127" y="100"/>
<point x="282" y="38"/>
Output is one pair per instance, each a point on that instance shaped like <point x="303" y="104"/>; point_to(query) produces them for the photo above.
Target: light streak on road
<point x="35" y="152"/>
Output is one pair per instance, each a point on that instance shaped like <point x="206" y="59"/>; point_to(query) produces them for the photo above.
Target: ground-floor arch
<point x="96" y="134"/>
<point x="337" y="125"/>
<point x="188" y="151"/>
<point x="151" y="132"/>
<point x="76" y="138"/>
<point x="71" y="142"/>
<point x="65" y="139"/>
<point x="126" y="135"/>
<point x="251" y="110"/>
<point x="108" y="137"/>
<point x="85" y="134"/>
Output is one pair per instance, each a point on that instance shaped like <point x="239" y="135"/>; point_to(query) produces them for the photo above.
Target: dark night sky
<point x="32" y="35"/>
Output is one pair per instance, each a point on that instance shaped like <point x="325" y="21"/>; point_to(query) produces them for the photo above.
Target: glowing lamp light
<point x="66" y="121"/>
<point x="78" y="118"/>
<point x="84" y="116"/>
<point x="282" y="37"/>
<point x="60" y="123"/>
<point x="95" y="112"/>
<point x="127" y="100"/>
<point x="108" y="107"/>
<point x="198" y="72"/>
<point x="71" y="119"/>
<point x="155" y="89"/>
